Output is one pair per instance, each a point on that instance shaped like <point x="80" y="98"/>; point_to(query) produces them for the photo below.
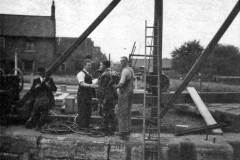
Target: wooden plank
<point x="60" y="98"/>
<point x="202" y="108"/>
<point x="70" y="104"/>
<point x="61" y="95"/>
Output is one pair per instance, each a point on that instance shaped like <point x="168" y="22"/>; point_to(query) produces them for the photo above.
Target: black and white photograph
<point x="119" y="80"/>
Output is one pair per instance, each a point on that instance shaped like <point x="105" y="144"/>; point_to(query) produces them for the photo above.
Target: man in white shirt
<point x="85" y="94"/>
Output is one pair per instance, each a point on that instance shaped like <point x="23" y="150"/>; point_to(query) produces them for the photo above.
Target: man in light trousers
<point x="126" y="86"/>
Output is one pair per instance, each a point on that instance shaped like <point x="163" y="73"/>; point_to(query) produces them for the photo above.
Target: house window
<point x="28" y="66"/>
<point x="29" y="46"/>
<point x="2" y="42"/>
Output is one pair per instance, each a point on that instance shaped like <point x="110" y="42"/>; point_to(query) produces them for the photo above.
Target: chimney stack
<point x="53" y="10"/>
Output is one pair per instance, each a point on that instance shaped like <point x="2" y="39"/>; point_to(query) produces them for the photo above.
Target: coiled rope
<point x="67" y="127"/>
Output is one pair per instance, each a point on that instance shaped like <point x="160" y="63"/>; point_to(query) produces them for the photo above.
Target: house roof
<point x="25" y="25"/>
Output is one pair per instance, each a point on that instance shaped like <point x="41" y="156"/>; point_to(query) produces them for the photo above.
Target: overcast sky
<point x="184" y="20"/>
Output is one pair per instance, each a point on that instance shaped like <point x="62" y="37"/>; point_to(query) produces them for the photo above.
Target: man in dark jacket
<point x="107" y="96"/>
<point x="41" y="100"/>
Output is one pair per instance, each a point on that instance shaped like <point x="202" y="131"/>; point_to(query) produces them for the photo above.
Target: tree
<point x="184" y="57"/>
<point x="223" y="61"/>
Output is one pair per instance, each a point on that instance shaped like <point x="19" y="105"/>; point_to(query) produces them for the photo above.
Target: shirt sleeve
<point x="80" y="77"/>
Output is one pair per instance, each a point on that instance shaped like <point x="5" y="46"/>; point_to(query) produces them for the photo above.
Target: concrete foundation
<point x="16" y="142"/>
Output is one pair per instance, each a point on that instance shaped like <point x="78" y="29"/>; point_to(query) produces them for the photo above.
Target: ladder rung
<point x="154" y="65"/>
<point x="151" y="96"/>
<point x="153" y="116"/>
<point x="152" y="121"/>
<point x="155" y="86"/>
<point x="152" y="128"/>
<point x="151" y="36"/>
<point x="147" y="138"/>
<point x="151" y="135"/>
<point x="150" y="150"/>
<point x="150" y="106"/>
<point x="142" y="55"/>
<point x="152" y="75"/>
<point x="151" y="27"/>
<point x="149" y="99"/>
<point x="151" y="46"/>
<point x="151" y="139"/>
<point x="154" y="107"/>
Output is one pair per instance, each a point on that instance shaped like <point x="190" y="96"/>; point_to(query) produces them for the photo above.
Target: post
<point x="202" y="58"/>
<point x="159" y="19"/>
<point x="15" y="62"/>
<point x="200" y="81"/>
<point x="132" y="53"/>
<point x="84" y="35"/>
<point x="133" y="48"/>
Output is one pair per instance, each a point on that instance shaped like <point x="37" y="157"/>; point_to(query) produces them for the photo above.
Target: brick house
<point x="32" y="37"/>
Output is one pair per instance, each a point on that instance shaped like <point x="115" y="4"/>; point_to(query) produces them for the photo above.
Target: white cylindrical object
<point x="15" y="63"/>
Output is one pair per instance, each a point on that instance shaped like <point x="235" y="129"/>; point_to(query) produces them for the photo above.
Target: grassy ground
<point x="58" y="79"/>
<point x="174" y="83"/>
<point x="206" y="86"/>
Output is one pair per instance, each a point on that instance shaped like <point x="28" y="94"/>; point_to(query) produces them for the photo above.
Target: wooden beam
<point x="54" y="66"/>
<point x="200" y="129"/>
<point x="203" y="57"/>
<point x="202" y="108"/>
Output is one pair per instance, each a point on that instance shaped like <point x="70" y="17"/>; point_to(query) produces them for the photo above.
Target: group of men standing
<point x="109" y="88"/>
<point x="105" y="87"/>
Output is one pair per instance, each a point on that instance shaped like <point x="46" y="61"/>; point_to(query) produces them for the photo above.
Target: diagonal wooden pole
<point x="202" y="58"/>
<point x="54" y="66"/>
